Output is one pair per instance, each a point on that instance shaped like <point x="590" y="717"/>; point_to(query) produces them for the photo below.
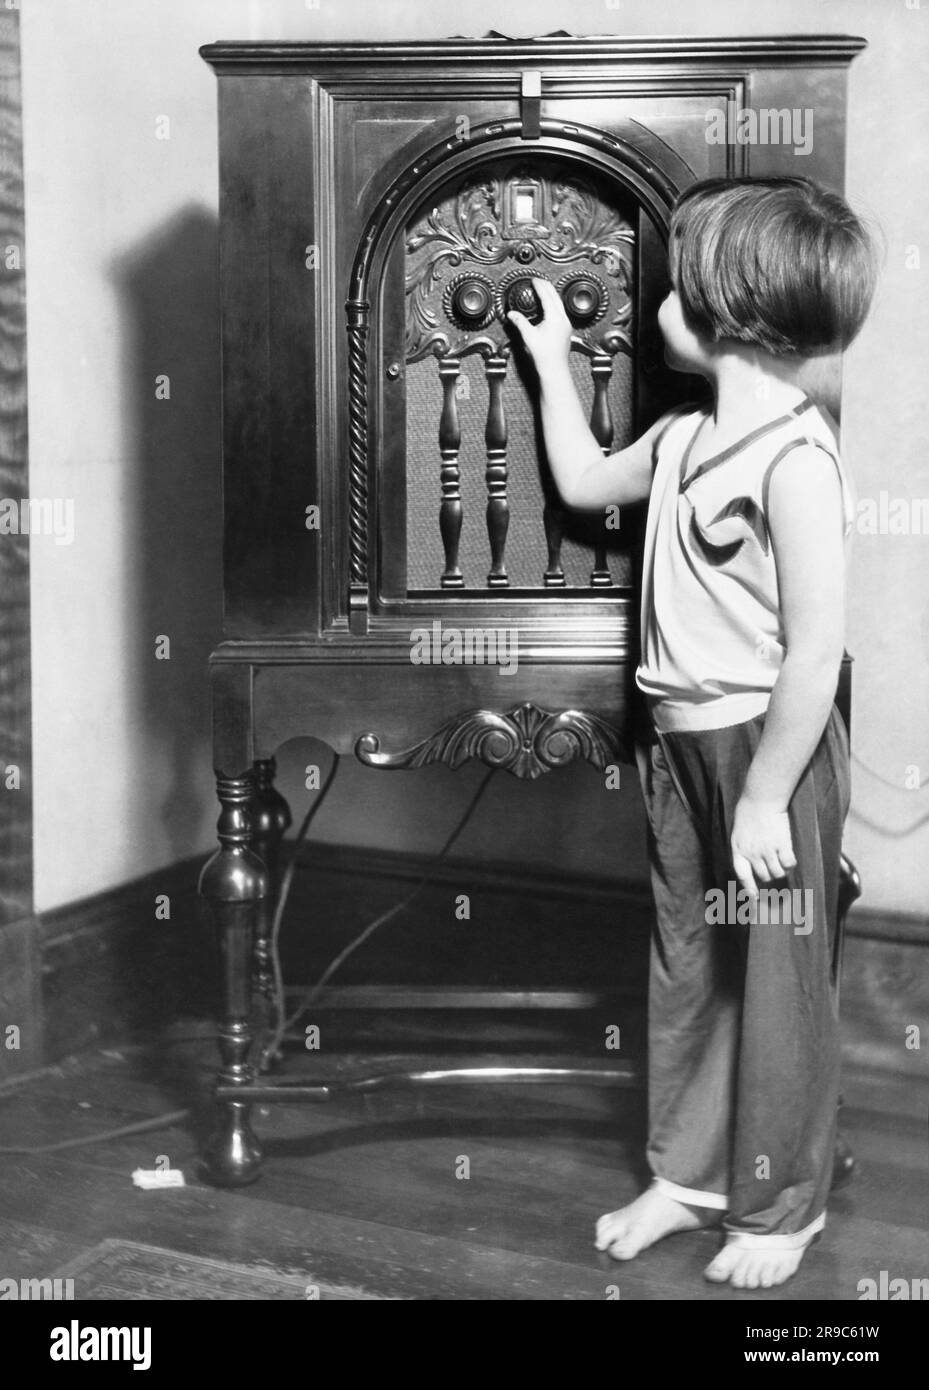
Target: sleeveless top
<point x="712" y="635"/>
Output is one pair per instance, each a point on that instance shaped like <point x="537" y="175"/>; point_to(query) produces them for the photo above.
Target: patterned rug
<point x="123" y="1269"/>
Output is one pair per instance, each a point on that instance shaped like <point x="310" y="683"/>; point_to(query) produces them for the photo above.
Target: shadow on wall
<point x="169" y="287"/>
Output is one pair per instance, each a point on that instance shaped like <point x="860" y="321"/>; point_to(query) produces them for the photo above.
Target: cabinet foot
<point x="233" y="1155"/>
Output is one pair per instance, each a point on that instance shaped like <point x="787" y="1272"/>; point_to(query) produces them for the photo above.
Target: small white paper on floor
<point x="158" y="1177"/>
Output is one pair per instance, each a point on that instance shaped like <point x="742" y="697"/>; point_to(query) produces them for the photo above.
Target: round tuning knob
<point x="585" y="298"/>
<point x="520" y="295"/>
<point x="469" y="301"/>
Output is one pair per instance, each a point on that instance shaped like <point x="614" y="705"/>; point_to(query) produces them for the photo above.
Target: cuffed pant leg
<point x="693" y="1007"/>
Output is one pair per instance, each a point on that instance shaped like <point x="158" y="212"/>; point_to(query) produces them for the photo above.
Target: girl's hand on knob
<point x="549" y="342"/>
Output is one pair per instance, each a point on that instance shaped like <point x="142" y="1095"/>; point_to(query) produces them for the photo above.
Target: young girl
<point x="746" y="778"/>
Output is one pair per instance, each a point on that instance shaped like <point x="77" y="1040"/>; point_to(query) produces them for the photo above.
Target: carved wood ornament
<point x="533" y="220"/>
<point x="526" y="741"/>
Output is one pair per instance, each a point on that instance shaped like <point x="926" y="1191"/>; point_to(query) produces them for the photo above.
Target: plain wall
<point x="122" y="287"/>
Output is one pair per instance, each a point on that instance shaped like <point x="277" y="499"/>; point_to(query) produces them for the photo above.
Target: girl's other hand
<point x="549" y="342"/>
<point x="762" y="849"/>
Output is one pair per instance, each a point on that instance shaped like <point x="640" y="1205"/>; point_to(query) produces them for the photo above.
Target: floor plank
<point x="363" y="1191"/>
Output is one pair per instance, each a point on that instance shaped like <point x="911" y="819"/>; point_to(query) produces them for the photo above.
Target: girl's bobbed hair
<point x="779" y="263"/>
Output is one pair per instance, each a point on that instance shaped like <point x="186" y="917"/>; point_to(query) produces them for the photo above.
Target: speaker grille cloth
<point x="526" y="554"/>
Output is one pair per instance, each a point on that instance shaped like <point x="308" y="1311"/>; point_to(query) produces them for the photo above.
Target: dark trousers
<point x="743" y="1019"/>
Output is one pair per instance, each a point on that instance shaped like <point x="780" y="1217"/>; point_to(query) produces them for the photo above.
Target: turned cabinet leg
<point x="234" y="884"/>
<point x="270" y="818"/>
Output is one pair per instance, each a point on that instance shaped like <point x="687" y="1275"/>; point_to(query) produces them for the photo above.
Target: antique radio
<point x="382" y="206"/>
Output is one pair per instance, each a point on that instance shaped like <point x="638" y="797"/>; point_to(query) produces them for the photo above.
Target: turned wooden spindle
<point x="450" y="513"/>
<point x="553" y="520"/>
<point x="495" y="438"/>
<point x="601" y="424"/>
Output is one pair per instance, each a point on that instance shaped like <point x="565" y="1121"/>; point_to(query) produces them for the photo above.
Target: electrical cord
<point x="270" y="1048"/>
<point x="267" y="1050"/>
<point x="139" y="1127"/>
<point x="282" y="1024"/>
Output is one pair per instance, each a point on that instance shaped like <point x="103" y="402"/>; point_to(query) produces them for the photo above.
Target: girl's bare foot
<point x="754" y="1268"/>
<point x="632" y="1229"/>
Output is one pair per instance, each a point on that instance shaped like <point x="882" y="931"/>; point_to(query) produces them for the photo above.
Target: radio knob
<point x="521" y="295"/>
<point x="471" y="301"/>
<point x="583" y="300"/>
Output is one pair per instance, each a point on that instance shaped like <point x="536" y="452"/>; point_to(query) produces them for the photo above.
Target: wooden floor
<point x="363" y="1192"/>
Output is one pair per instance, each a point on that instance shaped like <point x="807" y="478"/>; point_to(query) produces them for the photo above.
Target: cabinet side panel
<point x="269" y="284"/>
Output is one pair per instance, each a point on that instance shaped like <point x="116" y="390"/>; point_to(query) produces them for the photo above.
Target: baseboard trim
<point x="102" y="911"/>
<point x="899" y="928"/>
<point x="503" y="875"/>
<point x="516" y="877"/>
<point x="110" y="969"/>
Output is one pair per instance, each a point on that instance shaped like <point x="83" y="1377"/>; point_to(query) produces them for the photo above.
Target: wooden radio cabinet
<point x="381" y="206"/>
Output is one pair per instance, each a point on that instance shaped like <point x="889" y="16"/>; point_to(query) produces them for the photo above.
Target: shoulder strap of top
<point x="672" y="418"/>
<point x="748" y="441"/>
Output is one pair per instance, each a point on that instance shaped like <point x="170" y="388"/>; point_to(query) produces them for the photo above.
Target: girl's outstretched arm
<point x="584" y="477"/>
